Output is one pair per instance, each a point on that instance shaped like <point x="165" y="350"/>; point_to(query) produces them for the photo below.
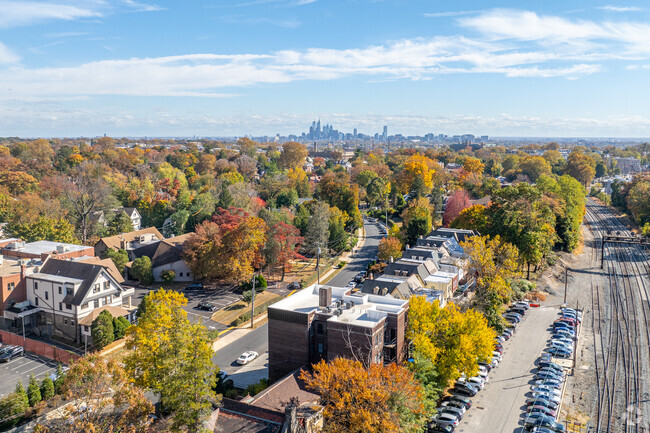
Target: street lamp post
<point x="318" y="266"/>
<point x="253" y="301"/>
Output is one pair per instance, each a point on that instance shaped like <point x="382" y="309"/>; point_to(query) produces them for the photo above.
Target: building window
<point x="320" y="348"/>
<point x="84" y="306"/>
<point x="68" y="307"/>
<point x="69" y="291"/>
<point x="107" y="285"/>
<point x="180" y="274"/>
<point x="320" y="329"/>
<point x="11" y="286"/>
<point x="96" y="303"/>
<point x="60" y="290"/>
<point x="47" y="295"/>
<point x="86" y="328"/>
<point x="65" y="321"/>
<point x="60" y="306"/>
<point x="36" y="301"/>
<point x="116" y="296"/>
<point x="96" y="289"/>
<point x="35" y="285"/>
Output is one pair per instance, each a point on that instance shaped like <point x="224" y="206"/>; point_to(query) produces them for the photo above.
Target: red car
<point x="573" y="322"/>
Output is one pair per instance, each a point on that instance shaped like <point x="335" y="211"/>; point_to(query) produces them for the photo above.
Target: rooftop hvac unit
<point x="62" y="249"/>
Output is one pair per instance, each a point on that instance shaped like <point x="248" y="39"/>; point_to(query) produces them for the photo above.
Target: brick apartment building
<point x="324" y="322"/>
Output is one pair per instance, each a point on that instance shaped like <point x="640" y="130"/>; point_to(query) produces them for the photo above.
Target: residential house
<point x="134" y="215"/>
<point x="324" y="322"/>
<point x="64" y="292"/>
<point x="168" y="256"/>
<point x="128" y="241"/>
<point x="12" y="281"/>
<point x="99" y="218"/>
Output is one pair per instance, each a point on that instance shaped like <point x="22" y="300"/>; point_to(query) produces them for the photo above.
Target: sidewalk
<point x="345" y="256"/>
<point x="233" y="334"/>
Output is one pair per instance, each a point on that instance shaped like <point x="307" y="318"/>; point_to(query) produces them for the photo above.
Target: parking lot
<point x="500" y="406"/>
<point x="21" y="368"/>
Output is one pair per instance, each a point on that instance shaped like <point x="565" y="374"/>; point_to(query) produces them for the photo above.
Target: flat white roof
<point x="40" y="247"/>
<point x="367" y="310"/>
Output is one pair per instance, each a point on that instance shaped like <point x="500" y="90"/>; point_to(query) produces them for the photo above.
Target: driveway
<point x="499" y="407"/>
<point x="359" y="263"/>
<point x="244" y="375"/>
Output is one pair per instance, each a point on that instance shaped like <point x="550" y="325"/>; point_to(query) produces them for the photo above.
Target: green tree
<point x="120" y="223"/>
<point x="287" y="198"/>
<point x="120" y="325"/>
<point x="47" y="388"/>
<point x="142" y="271"/>
<point x="33" y="391"/>
<point x="119" y="257"/>
<point x="417" y="220"/>
<point x="102" y="331"/>
<point x="317" y="231"/>
<point x="173" y="358"/>
<point x="13" y="406"/>
<point x="60" y="377"/>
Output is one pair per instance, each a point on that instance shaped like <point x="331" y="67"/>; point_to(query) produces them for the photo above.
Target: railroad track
<point x="620" y="318"/>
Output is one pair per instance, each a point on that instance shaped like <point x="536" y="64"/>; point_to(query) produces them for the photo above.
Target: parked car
<point x="539" y="401"/>
<point x="548" y="423"/>
<point x="558" y="373"/>
<point x="465" y="389"/>
<point x="206" y="306"/>
<point x="434" y="428"/>
<point x="194" y="286"/>
<point x="11" y="352"/>
<point x="488" y="366"/>
<point x="454" y="403"/>
<point x="564" y="332"/>
<point x="522" y="304"/>
<point x="546" y="389"/>
<point x="555" y="383"/>
<point x="550" y="364"/>
<point x="560" y="352"/>
<point x="518" y="310"/>
<point x="563" y="340"/>
<point x="560" y="345"/>
<point x="457" y="412"/>
<point x="547" y="396"/>
<point x="540" y="408"/>
<point x="457" y="398"/>
<point x="445" y="419"/>
<point x="247" y="357"/>
<point x="538" y="415"/>
<point x="547" y="375"/>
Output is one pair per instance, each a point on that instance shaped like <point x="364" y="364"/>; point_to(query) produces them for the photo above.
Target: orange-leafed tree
<point x="389" y="247"/>
<point x="226" y="246"/>
<point x="282" y="246"/>
<point x="370" y="400"/>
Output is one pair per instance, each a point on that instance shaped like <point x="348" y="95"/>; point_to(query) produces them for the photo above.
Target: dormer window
<point x="96" y="288"/>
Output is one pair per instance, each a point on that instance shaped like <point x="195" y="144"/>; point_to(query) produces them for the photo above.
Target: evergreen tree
<point x="22" y="395"/>
<point x="120" y="324"/>
<point x="141" y="270"/>
<point x="102" y="330"/>
<point x="47" y="388"/>
<point x="33" y="391"/>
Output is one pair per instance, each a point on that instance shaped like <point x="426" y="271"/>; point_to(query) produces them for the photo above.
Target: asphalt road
<point x="244" y="375"/>
<point x="360" y="261"/>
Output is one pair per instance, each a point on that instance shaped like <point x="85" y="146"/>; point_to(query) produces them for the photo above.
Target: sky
<point x="550" y="68"/>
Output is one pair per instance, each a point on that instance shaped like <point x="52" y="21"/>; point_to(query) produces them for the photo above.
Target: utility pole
<point x="253" y="302"/>
<point x="318" y="266"/>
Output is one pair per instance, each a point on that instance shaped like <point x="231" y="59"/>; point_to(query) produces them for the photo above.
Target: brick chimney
<point x="23" y="272"/>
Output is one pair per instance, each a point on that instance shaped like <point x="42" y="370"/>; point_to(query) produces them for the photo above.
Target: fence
<point x="39" y="348"/>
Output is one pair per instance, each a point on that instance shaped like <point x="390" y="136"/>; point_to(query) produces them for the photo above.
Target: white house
<point x="65" y="292"/>
<point x="169" y="257"/>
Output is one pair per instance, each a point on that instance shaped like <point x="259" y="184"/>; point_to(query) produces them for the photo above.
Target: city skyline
<point x="127" y="68"/>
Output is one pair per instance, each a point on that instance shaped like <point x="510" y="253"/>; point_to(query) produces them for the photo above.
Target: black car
<point x="194" y="286"/>
<point x="9" y="353"/>
<point x="465" y="389"/>
<point x="207" y="306"/>
<point x="435" y="428"/>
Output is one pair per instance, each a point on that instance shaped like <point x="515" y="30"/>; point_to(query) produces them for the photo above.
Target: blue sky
<point x="227" y="67"/>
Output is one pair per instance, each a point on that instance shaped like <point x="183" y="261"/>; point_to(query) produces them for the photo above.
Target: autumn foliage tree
<point x="457" y="201"/>
<point x="389" y="247"/>
<point x="226" y="246"/>
<point x="102" y="398"/>
<point x="282" y="246"/>
<point x="417" y="220"/>
<point x="452" y="340"/>
<point x="377" y="399"/>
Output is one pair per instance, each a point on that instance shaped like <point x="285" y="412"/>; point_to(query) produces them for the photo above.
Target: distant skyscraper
<point x="355" y="133"/>
<point x="385" y="134"/>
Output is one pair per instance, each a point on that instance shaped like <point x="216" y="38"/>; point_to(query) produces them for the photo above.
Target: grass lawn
<point x="227" y="315"/>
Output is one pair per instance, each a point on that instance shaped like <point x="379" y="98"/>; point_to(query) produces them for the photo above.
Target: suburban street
<point x="361" y="259"/>
<point x="244" y="375"/>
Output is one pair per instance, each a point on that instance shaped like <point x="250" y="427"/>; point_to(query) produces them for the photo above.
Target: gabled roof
<point x="407" y="267"/>
<point x="86" y="272"/>
<point x="459" y="234"/>
<point x="108" y="264"/>
<point x="116" y="241"/>
<point x="169" y="250"/>
<point x="131" y="212"/>
<point x="115" y="312"/>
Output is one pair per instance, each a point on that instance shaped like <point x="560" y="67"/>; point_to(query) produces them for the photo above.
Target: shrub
<point x="341" y="264"/>
<point x="260" y="284"/>
<point x="168" y="276"/>
<point x="119" y="327"/>
<point x="247" y="296"/>
<point x="47" y="388"/>
<point x="102" y="330"/>
<point x="258" y="387"/>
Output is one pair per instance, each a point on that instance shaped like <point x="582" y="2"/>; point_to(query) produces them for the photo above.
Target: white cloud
<point x="18" y="13"/>
<point x="6" y="55"/>
<point x="620" y="8"/>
